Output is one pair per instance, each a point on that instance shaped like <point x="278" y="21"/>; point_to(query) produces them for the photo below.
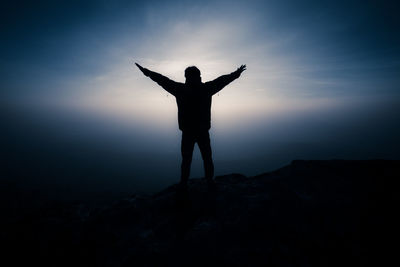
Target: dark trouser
<point x="202" y="138"/>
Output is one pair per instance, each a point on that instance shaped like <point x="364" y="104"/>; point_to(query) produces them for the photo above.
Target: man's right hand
<point x="145" y="71"/>
<point x="241" y="69"/>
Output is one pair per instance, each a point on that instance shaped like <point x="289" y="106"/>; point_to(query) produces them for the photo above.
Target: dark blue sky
<point x="322" y="82"/>
<point x="351" y="45"/>
<point x="299" y="52"/>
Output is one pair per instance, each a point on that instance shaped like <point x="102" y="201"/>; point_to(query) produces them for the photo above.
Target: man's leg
<point x="203" y="140"/>
<point x="187" y="146"/>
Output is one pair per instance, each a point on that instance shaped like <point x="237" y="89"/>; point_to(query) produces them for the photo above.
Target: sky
<point x="322" y="82"/>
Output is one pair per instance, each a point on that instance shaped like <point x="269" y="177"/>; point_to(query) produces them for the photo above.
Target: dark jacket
<point x="194" y="100"/>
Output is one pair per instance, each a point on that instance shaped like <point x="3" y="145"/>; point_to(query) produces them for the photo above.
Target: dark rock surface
<point x="309" y="213"/>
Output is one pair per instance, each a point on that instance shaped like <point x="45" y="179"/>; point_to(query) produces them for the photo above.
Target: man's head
<point x="192" y="75"/>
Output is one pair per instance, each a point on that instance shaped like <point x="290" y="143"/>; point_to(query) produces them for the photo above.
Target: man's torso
<point x="194" y="107"/>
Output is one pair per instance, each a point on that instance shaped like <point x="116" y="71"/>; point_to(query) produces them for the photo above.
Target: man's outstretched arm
<point x="169" y="85"/>
<point x="222" y="81"/>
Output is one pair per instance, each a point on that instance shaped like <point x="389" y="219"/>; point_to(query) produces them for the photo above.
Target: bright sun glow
<point x="216" y="48"/>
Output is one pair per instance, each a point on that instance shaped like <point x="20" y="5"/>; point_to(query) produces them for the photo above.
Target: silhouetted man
<point x="194" y="113"/>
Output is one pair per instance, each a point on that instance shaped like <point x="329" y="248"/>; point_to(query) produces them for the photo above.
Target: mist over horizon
<point x="322" y="83"/>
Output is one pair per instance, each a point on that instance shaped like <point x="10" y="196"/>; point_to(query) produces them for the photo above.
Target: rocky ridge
<point x="309" y="213"/>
